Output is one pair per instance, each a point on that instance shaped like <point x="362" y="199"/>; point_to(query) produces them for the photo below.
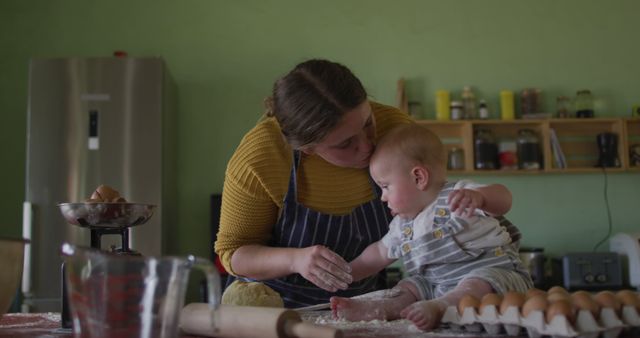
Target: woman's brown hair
<point x="312" y="98"/>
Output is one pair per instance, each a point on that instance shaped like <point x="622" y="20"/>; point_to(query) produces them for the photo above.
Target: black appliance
<point x="608" y="150"/>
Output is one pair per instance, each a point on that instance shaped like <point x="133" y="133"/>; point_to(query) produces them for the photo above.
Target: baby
<point x="448" y="247"/>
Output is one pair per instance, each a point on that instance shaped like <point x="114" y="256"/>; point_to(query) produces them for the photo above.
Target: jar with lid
<point x="485" y="150"/>
<point x="457" y="113"/>
<point x="563" y="107"/>
<point x="469" y="103"/>
<point x="456" y="159"/>
<point x="528" y="150"/>
<point x="584" y="103"/>
<point x="530" y="99"/>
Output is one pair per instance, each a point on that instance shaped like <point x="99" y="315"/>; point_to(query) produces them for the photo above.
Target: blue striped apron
<point x="347" y="235"/>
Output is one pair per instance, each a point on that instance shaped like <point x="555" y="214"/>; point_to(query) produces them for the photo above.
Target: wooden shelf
<point x="576" y="137"/>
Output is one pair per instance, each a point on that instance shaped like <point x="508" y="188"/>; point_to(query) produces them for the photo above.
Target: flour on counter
<point x="394" y="328"/>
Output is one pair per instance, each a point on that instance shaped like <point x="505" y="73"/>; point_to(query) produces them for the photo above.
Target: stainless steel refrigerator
<point x="94" y="121"/>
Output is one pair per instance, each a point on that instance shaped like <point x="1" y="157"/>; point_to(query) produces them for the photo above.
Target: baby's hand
<point x="465" y="199"/>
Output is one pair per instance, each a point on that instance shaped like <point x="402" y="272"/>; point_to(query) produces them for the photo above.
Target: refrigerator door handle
<point x="27" y="223"/>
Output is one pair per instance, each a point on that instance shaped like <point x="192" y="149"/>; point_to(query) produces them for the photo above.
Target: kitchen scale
<point x="103" y="219"/>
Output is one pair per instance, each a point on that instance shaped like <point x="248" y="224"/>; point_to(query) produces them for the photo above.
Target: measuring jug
<point x="114" y="295"/>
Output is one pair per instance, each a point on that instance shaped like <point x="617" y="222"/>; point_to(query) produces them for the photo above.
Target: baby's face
<point x="399" y="188"/>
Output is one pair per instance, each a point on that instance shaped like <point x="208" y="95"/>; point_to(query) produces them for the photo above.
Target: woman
<point x="298" y="202"/>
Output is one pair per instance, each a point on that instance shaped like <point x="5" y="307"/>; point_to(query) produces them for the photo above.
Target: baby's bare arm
<point x="371" y="260"/>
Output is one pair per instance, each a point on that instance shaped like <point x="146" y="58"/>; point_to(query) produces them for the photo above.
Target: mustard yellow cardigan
<point x="257" y="177"/>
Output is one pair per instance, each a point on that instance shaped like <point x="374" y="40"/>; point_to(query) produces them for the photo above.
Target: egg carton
<point x="608" y="325"/>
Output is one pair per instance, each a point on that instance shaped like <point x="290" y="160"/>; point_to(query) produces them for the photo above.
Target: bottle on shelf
<point x="507" y="105"/>
<point x="469" y="103"/>
<point x="443" y="105"/>
<point x="483" y="110"/>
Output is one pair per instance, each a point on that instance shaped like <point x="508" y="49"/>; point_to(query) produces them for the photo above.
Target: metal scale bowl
<point x="102" y="218"/>
<point x="107" y="219"/>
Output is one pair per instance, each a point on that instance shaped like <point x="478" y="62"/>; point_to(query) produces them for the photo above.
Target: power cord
<point x="606" y="202"/>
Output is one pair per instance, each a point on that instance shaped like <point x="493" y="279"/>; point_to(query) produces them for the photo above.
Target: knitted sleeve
<point x="249" y="209"/>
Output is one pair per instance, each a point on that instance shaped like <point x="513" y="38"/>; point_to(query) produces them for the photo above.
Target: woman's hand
<point x="322" y="267"/>
<point x="465" y="200"/>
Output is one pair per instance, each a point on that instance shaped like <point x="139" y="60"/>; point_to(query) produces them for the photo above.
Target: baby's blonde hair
<point x="417" y="144"/>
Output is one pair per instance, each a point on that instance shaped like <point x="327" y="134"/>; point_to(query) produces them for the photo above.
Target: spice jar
<point x="485" y="150"/>
<point x="457" y="112"/>
<point x="584" y="103"/>
<point x="528" y="149"/>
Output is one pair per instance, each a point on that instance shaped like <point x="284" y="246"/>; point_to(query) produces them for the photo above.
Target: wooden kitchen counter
<point x="47" y="325"/>
<point x="32" y="325"/>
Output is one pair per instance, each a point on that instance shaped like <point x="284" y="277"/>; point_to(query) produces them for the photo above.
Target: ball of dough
<point x="251" y="294"/>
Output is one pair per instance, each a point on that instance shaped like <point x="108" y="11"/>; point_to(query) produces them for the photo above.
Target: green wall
<point x="224" y="56"/>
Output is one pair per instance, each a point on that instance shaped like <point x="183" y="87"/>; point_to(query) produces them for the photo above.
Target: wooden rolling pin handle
<point x="249" y="322"/>
<point x="301" y="329"/>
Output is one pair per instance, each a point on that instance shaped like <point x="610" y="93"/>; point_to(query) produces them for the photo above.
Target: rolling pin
<point x="250" y="321"/>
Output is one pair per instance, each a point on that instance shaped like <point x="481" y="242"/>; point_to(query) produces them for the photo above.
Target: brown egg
<point x="95" y="197"/>
<point x="558" y="289"/>
<point x="106" y="193"/>
<point x="534" y="292"/>
<point x="560" y="308"/>
<point x="558" y="295"/>
<point x="511" y="298"/>
<point x="468" y="301"/>
<point x="535" y="303"/>
<point x="92" y="200"/>
<point x="584" y="301"/>
<point x="629" y="298"/>
<point x="490" y="299"/>
<point x="607" y="299"/>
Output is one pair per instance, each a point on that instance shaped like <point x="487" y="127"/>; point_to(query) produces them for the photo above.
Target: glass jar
<point x="584" y="103"/>
<point x="563" y="107"/>
<point x="456" y="159"/>
<point x="485" y="150"/>
<point x="507" y="154"/>
<point x="528" y="150"/>
<point x="457" y="112"/>
<point x="530" y="99"/>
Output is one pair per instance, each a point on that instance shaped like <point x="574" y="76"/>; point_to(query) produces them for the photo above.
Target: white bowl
<point x="11" y="262"/>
